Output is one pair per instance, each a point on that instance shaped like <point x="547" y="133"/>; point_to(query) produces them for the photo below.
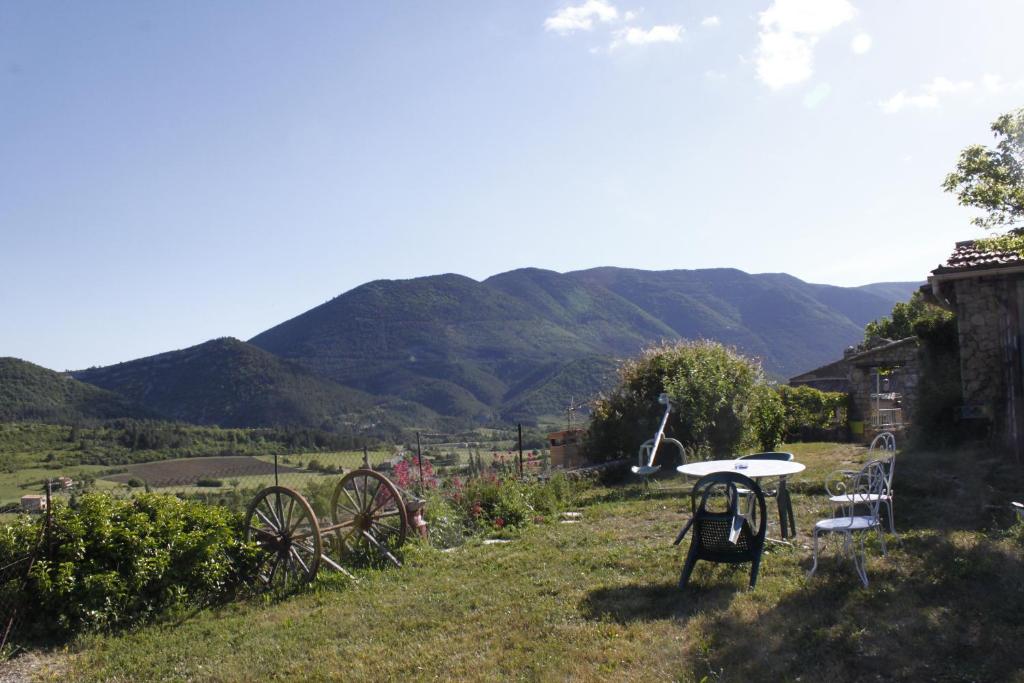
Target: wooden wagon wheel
<point x="282" y="522"/>
<point x="369" y="514"/>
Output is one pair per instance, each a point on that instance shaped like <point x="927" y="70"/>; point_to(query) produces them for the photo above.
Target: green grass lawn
<point x="597" y="600"/>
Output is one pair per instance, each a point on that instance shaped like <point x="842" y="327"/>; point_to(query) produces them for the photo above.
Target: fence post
<point x="419" y="460"/>
<point x="520" y="450"/>
<point x="47" y="523"/>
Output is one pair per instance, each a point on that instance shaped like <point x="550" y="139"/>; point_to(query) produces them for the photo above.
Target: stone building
<point x="986" y="291"/>
<point x="881" y="381"/>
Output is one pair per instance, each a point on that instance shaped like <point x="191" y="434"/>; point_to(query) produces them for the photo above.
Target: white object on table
<point x="755" y="469"/>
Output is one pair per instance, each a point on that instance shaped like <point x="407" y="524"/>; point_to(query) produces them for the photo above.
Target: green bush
<point x="712" y="388"/>
<point x="209" y="482"/>
<point x="809" y="411"/>
<point x="118" y="562"/>
<point x="767" y="418"/>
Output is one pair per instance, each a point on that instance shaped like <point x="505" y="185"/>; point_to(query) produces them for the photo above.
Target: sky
<point x="175" y="172"/>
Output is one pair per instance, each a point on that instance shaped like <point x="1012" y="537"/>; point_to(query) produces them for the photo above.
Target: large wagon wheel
<point x="369" y="515"/>
<point x="281" y="521"/>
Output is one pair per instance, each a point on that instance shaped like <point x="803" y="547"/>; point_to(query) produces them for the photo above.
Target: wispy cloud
<point x="581" y="17"/>
<point x="861" y="43"/>
<point x="994" y="84"/>
<point x="928" y="96"/>
<point x="638" y="36"/>
<point x="789" y="30"/>
<point x="710" y="22"/>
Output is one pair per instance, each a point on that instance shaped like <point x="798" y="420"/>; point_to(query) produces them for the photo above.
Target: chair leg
<point x="691" y="562"/>
<point x="755" y="566"/>
<point x="881" y="537"/>
<point x="860" y="561"/>
<point x="892" y="518"/>
<point x="814" y="567"/>
<point x="780" y="502"/>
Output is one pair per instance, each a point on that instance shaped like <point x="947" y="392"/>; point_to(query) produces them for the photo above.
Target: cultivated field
<point x="188" y="471"/>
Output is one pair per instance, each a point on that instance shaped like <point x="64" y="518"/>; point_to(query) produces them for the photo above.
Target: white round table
<point x="755" y="469"/>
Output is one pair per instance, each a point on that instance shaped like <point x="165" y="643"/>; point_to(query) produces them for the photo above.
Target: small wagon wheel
<point x="369" y="514"/>
<point x="281" y="521"/>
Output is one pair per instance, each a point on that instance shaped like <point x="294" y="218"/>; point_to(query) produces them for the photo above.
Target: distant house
<point x="986" y="291"/>
<point x="881" y="381"/>
<point x="65" y="482"/>
<point x="33" y="503"/>
<point x="566" y="447"/>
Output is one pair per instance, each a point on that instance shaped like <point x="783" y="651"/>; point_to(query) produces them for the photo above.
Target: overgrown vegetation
<point x="110" y="563"/>
<point x="811" y="414"/>
<point x="714" y="390"/>
<point x="901" y="323"/>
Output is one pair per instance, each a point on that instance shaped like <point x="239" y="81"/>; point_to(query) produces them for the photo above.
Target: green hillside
<point x="513" y="346"/>
<point x="230" y="383"/>
<point x="30" y="392"/>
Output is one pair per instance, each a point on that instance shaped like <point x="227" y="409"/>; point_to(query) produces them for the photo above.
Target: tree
<point x="713" y="391"/>
<point x="993" y="179"/>
<point x="905" y="316"/>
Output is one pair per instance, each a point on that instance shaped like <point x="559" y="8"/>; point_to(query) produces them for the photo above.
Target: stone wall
<point x="981" y="321"/>
<point x="902" y="355"/>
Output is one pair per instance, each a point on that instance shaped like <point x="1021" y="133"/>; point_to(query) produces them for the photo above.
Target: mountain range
<point x="516" y="346"/>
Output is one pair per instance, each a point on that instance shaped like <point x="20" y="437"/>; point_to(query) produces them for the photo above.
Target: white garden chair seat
<point x="857" y="498"/>
<point x="858" y="523"/>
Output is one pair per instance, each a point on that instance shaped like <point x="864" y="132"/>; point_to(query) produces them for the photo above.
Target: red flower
<point x="499" y="522"/>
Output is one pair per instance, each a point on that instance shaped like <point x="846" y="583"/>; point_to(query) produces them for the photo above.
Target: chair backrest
<point x="864" y="486"/>
<point x="711" y="529"/>
<point x="883" y="447"/>
<point x="771" y="455"/>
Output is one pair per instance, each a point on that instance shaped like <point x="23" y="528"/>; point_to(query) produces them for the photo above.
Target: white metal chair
<point x="862" y="490"/>
<point x="883" y="450"/>
<point x="1019" y="509"/>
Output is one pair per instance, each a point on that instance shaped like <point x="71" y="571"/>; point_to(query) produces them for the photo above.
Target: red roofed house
<point x="986" y="291"/>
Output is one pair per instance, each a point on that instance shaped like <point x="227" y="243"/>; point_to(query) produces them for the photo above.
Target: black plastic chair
<point x="787" y="522"/>
<point x="724" y="536"/>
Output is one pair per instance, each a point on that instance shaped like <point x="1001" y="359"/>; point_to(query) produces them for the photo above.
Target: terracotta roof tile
<point x="967" y="257"/>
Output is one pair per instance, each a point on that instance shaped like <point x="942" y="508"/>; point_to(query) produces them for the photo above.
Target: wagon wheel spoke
<point x="355" y="506"/>
<point x="387" y="500"/>
<point x="288" y="515"/>
<point x="298" y="558"/>
<point x="284" y="524"/>
<point x="269" y="527"/>
<point x="370" y="499"/>
<point x="381" y="549"/>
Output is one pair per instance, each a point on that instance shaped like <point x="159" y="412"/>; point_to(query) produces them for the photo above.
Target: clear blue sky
<point x="172" y="172"/>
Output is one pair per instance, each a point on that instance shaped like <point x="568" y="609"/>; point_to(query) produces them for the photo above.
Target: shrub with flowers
<point x="489" y="504"/>
<point x="407" y="473"/>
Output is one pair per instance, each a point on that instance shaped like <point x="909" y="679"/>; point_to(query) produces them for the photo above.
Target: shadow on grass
<point x="651" y="602"/>
<point x="938" y="611"/>
<point x="965" y="490"/>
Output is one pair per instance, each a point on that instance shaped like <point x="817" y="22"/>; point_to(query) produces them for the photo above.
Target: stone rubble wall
<point x="980" y="320"/>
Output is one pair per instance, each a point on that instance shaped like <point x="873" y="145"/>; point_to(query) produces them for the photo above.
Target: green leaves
<point x="713" y="390"/>
<point x="993" y="179"/>
<point x="117" y="562"/>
